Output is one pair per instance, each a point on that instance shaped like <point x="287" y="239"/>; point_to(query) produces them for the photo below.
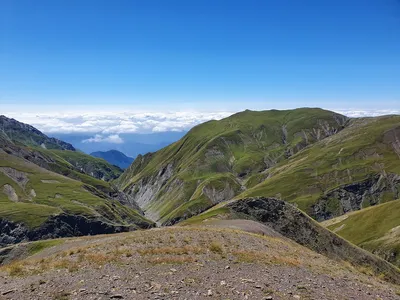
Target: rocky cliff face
<point x="358" y="195"/>
<point x="60" y="226"/>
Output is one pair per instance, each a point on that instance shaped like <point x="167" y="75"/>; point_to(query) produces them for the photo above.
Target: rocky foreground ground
<point x="186" y="263"/>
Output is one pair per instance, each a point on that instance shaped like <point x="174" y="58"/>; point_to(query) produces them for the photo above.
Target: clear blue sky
<point x="273" y="52"/>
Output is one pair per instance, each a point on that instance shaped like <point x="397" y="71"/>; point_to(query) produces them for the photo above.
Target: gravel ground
<point x="186" y="263"/>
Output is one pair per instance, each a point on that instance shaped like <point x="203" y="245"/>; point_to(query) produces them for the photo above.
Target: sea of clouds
<point x="106" y="126"/>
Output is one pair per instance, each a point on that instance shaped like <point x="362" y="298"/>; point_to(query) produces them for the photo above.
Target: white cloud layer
<point x="106" y="126"/>
<point x="109" y="124"/>
<point x="98" y="138"/>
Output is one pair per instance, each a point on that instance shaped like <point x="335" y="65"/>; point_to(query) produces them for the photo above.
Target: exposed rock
<point x="143" y="191"/>
<point x="49" y="181"/>
<point x="17" y="176"/>
<point x="59" y="226"/>
<point x="357" y="195"/>
<point x="10" y="192"/>
<point x="218" y="194"/>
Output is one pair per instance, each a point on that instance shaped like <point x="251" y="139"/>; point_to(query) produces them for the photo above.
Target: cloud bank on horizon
<point x="107" y="126"/>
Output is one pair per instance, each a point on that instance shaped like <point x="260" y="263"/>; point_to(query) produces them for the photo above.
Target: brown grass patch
<point x="216" y="247"/>
<point x="14" y="269"/>
<point x="170" y="259"/>
<point x="171" y="250"/>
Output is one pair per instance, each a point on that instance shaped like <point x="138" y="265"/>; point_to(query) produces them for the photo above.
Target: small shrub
<point x="15" y="270"/>
<point x="216" y="247"/>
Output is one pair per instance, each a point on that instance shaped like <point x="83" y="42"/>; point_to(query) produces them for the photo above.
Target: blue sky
<point x="221" y="55"/>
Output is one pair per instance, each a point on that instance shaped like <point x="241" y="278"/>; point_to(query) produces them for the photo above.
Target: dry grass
<point x="170" y="259"/>
<point x="216" y="247"/>
<point x="15" y="269"/>
<point x="171" y="250"/>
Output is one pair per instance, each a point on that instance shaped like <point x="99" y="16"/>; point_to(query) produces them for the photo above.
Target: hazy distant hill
<point x="114" y="157"/>
<point x="133" y="143"/>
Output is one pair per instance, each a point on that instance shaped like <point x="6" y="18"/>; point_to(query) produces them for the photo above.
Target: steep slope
<point x="25" y="141"/>
<point x="353" y="169"/>
<point x="114" y="157"/>
<point x="36" y="203"/>
<point x="212" y="162"/>
<point x="292" y="223"/>
<point x="376" y="229"/>
<point x="183" y="263"/>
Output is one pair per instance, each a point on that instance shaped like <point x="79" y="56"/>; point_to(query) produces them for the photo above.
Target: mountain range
<point x="317" y="178"/>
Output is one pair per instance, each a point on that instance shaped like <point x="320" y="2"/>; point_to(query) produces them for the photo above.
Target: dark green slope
<point x="213" y="162"/>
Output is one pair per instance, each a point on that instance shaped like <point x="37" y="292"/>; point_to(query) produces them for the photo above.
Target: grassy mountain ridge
<point x="376" y="229"/>
<point x="350" y="170"/>
<point x="168" y="182"/>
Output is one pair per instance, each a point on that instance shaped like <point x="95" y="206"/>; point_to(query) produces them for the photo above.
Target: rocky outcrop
<point x="17" y="176"/>
<point x="59" y="226"/>
<point x="143" y="191"/>
<point x="10" y="193"/>
<point x="219" y="194"/>
<point x="357" y="195"/>
<point x="294" y="224"/>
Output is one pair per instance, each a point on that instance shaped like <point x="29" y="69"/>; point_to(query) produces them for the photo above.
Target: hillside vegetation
<point x="353" y="169"/>
<point x="214" y="161"/>
<point x="48" y="189"/>
<point x="375" y="228"/>
<point x="36" y="200"/>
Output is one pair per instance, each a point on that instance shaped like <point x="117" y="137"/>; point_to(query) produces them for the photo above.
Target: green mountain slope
<point x="375" y="228"/>
<point x="213" y="161"/>
<point x="36" y="203"/>
<point x="353" y="169"/>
